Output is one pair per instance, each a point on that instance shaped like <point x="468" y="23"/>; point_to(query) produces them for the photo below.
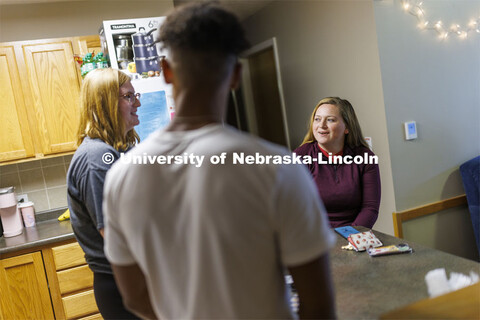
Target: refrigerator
<point x="157" y="106"/>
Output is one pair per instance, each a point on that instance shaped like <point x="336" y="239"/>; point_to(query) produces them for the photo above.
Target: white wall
<point x="437" y="84"/>
<point x="329" y="48"/>
<point x="66" y="19"/>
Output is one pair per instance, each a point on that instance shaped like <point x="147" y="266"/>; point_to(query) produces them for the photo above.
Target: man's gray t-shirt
<point x="85" y="179"/>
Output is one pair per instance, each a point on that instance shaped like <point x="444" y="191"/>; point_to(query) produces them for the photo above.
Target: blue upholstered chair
<point x="470" y="172"/>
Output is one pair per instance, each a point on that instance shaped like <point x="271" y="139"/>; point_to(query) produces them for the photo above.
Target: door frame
<point x="247" y="90"/>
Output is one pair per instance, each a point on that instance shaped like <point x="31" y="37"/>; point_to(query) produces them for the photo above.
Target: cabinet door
<point x="54" y="85"/>
<point x="86" y="44"/>
<point x="14" y="124"/>
<point x="24" y="293"/>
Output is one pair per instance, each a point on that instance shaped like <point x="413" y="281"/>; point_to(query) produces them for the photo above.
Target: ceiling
<point x="242" y="8"/>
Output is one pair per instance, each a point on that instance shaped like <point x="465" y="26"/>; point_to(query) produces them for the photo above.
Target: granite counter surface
<point x="367" y="287"/>
<point x="46" y="231"/>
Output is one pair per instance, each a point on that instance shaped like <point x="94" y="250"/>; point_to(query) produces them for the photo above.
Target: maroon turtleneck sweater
<point x="350" y="192"/>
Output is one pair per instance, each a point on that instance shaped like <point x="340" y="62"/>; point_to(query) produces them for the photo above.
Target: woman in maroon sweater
<point x="350" y="192"/>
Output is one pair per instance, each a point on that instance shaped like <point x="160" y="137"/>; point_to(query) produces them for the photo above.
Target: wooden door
<point x="55" y="87"/>
<point x="85" y="44"/>
<point x="24" y="293"/>
<point x="15" y="141"/>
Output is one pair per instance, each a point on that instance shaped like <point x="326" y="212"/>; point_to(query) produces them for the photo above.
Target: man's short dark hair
<point x="203" y="27"/>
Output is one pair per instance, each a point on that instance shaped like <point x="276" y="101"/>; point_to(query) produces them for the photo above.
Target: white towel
<point x="438" y="284"/>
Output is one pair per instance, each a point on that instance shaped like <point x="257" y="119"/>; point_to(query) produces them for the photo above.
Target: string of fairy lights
<point x="416" y="8"/>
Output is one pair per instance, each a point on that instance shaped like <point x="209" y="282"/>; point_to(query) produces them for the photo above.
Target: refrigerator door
<point x="156" y="108"/>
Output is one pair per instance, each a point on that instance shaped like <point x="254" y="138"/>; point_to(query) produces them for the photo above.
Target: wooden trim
<point x="433" y="207"/>
<point x="53" y="284"/>
<point x="460" y="304"/>
<point x="399" y="217"/>
<point x="37" y="157"/>
<point x="397" y="225"/>
<point x="36" y="42"/>
<point x="42" y="281"/>
<point x="83" y="43"/>
<point x="35" y="249"/>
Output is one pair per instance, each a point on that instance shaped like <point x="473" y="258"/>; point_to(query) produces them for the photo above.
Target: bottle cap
<point x="25" y="204"/>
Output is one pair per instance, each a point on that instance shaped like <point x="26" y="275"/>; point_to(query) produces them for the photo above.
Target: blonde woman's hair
<point x="100" y="117"/>
<point x="354" y="138"/>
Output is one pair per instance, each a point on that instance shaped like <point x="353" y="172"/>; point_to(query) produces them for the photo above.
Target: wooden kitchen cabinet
<point x="24" y="293"/>
<point x="53" y="282"/>
<point x="39" y="96"/>
<point x="85" y="44"/>
<point x="50" y="76"/>
<point x="71" y="282"/>
<point x="19" y="144"/>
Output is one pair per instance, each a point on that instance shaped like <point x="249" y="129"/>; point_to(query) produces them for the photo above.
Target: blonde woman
<point x="108" y="114"/>
<point x="350" y="192"/>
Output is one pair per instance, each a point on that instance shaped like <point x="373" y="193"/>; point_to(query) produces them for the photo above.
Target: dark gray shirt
<point x="85" y="179"/>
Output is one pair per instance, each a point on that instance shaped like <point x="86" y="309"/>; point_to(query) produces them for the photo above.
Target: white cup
<point x="28" y="213"/>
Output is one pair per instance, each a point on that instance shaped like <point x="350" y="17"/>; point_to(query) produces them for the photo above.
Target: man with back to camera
<point x="213" y="241"/>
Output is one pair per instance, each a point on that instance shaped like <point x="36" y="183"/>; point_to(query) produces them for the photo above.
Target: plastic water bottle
<point x="87" y="65"/>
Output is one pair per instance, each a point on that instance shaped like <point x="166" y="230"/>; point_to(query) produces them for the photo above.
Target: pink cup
<point x="28" y="213"/>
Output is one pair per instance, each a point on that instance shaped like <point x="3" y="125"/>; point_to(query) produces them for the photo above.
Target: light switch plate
<point x="410" y="130"/>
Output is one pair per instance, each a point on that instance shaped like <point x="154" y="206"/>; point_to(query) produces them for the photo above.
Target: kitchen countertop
<point x="46" y="231"/>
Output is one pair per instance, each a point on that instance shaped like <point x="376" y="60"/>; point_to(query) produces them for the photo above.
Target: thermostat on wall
<point x="410" y="130"/>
